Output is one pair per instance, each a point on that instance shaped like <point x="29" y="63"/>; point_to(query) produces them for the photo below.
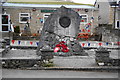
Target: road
<point x="12" y="73"/>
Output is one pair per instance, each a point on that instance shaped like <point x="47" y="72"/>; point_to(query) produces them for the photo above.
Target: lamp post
<point x="1" y="5"/>
<point x="0" y="18"/>
<point x="115" y="4"/>
<point x="119" y="4"/>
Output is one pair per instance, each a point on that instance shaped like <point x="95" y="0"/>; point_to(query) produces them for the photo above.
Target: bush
<point x="17" y="29"/>
<point x="48" y="65"/>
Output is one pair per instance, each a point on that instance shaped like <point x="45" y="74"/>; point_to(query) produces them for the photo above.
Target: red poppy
<point x="58" y="45"/>
<point x="65" y="50"/>
<point x="63" y="46"/>
<point x="56" y="49"/>
<point x="62" y="42"/>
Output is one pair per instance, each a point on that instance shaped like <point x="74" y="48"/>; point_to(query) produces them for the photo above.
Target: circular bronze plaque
<point x="65" y="21"/>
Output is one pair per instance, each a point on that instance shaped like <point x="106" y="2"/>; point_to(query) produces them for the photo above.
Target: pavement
<point x="76" y="61"/>
<point x="1" y="50"/>
<point x="13" y="73"/>
<point x="81" y="63"/>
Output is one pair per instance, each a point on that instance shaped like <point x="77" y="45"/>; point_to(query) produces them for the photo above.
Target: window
<point x="24" y="17"/>
<point x="5" y="28"/>
<point x="4" y="22"/>
<point x="5" y="19"/>
<point x="84" y="18"/>
<point x="98" y="6"/>
<point x="117" y="26"/>
<point x="46" y="15"/>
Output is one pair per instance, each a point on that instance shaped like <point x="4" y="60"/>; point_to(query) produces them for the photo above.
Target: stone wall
<point x="35" y="24"/>
<point x="90" y="13"/>
<point x="110" y="37"/>
<point x="111" y="34"/>
<point x="34" y="21"/>
<point x="111" y="16"/>
<point x="108" y="33"/>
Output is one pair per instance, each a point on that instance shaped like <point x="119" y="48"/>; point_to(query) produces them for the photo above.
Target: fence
<point x="35" y="43"/>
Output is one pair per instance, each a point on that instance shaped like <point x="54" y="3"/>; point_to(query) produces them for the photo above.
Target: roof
<point x="33" y="0"/>
<point x="46" y="5"/>
<point x="54" y="2"/>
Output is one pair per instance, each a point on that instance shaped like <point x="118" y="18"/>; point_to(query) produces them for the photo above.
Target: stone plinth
<point x="102" y="55"/>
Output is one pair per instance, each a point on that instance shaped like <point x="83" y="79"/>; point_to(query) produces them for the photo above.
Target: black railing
<point x="26" y="37"/>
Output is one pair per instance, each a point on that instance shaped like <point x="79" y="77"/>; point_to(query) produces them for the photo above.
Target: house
<point x="19" y="12"/>
<point x="107" y="9"/>
<point x="108" y="12"/>
<point x="109" y="19"/>
<point x="1" y="7"/>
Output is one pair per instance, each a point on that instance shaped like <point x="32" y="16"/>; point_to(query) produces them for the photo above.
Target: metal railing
<point x="26" y="37"/>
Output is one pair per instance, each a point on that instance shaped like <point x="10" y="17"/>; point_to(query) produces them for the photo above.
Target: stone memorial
<point x="59" y="32"/>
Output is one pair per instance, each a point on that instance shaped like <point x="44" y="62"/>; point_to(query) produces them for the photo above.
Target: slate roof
<point x="53" y="2"/>
<point x="21" y="5"/>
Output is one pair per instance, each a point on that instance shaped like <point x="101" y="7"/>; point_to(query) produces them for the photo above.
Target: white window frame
<point x="84" y="17"/>
<point x="117" y="25"/>
<point x="0" y="23"/>
<point x="45" y="15"/>
<point x="4" y="24"/>
<point x="28" y="16"/>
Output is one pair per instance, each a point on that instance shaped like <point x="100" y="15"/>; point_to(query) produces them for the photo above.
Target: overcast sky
<point x="91" y="1"/>
<point x="84" y="1"/>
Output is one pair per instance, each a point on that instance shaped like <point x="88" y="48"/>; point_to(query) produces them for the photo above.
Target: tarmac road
<point x="12" y="73"/>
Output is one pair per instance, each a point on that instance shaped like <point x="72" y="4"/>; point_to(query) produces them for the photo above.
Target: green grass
<point x="48" y="65"/>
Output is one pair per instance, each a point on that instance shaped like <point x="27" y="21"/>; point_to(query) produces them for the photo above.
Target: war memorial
<point x="58" y="48"/>
<point x="58" y="38"/>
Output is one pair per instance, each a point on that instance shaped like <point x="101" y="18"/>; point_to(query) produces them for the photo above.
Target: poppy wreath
<point x="63" y="47"/>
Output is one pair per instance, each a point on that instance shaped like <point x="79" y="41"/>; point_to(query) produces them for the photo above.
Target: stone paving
<point x="21" y="54"/>
<point x="59" y="61"/>
<point x="76" y="61"/>
<point x="1" y="50"/>
<point x="81" y="61"/>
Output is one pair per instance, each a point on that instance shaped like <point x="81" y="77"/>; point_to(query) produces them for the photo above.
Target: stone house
<point x="109" y="19"/>
<point x="108" y="12"/>
<point x="36" y="14"/>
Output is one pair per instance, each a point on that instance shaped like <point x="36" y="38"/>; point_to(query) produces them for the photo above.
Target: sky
<point x="91" y="1"/>
<point x="84" y="1"/>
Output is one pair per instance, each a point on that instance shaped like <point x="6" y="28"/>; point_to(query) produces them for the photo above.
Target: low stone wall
<point x="110" y="37"/>
<point x="109" y="34"/>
